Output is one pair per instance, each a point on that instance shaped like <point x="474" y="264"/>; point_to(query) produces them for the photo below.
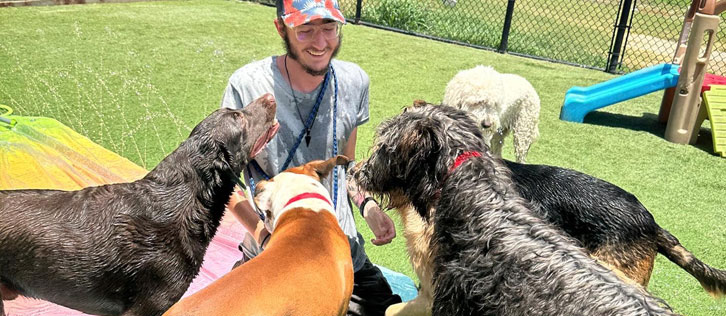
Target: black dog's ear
<point x="224" y="160"/>
<point x="423" y="163"/>
<point x="421" y="141"/>
<point x="223" y="153"/>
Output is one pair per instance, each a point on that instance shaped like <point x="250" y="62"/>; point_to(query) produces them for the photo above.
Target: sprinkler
<point x="4" y="119"/>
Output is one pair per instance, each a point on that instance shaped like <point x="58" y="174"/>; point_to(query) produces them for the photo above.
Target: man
<point x="320" y="103"/>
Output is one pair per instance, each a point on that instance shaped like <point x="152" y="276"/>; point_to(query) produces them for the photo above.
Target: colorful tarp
<point x="42" y="153"/>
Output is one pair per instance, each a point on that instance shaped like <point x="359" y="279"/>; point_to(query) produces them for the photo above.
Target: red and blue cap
<point x="298" y="12"/>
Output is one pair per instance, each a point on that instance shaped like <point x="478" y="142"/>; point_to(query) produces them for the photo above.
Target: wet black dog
<point x="609" y="222"/>
<point x="130" y="248"/>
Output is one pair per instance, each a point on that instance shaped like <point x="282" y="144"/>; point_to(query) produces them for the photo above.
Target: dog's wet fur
<point x="488" y="234"/>
<point x="130" y="248"/>
<point x="495" y="256"/>
<point x="609" y="222"/>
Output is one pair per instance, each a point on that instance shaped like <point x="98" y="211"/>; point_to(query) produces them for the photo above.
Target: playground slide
<point x="582" y="100"/>
<point x="715" y="101"/>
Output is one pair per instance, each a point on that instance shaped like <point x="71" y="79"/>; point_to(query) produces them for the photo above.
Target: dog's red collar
<point x="463" y="157"/>
<point x="308" y="195"/>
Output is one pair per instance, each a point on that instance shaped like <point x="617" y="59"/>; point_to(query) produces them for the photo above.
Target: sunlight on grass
<point x="136" y="77"/>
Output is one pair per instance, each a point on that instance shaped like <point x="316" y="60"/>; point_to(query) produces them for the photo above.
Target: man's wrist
<point x="363" y="205"/>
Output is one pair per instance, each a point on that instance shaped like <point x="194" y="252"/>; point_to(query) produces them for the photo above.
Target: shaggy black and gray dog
<point x="492" y="255"/>
<point x="496" y="257"/>
<point x="609" y="222"/>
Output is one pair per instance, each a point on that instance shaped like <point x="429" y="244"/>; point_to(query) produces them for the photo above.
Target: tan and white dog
<point x="306" y="268"/>
<point x="418" y="235"/>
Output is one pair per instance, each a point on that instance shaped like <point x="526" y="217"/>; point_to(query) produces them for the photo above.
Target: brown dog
<point x="306" y="268"/>
<point x="132" y="248"/>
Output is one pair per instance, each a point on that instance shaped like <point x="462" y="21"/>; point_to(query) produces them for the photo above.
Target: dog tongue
<point x="264" y="139"/>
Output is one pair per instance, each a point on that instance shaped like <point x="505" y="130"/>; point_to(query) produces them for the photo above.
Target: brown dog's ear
<point x="341" y="160"/>
<point x="419" y="102"/>
<point x="323" y="167"/>
<point x="416" y="103"/>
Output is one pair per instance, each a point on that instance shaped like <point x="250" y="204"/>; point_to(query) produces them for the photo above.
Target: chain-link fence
<point x="612" y="35"/>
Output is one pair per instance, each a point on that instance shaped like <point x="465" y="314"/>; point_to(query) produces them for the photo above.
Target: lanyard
<point x="292" y="151"/>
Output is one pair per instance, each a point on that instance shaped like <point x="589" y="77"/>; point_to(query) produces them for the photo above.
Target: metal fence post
<point x="358" y="8"/>
<point x="507" y="24"/>
<point x="619" y="33"/>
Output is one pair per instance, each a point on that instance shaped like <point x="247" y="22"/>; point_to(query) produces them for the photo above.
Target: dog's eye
<point x="237" y="115"/>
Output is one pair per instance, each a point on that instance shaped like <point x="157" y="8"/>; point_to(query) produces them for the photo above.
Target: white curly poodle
<point x="500" y="103"/>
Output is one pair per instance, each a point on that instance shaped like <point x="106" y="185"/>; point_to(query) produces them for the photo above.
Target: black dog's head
<point x="238" y="135"/>
<point x="413" y="152"/>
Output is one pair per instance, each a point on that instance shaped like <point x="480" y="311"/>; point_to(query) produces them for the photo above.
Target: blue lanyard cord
<point x="335" y="139"/>
<point x="309" y="121"/>
<point x="252" y="187"/>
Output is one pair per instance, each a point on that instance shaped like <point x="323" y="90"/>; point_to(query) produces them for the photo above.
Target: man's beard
<point x="294" y="56"/>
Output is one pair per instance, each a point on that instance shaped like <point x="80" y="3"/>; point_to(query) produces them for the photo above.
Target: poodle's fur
<point x="409" y="169"/>
<point x="499" y="103"/>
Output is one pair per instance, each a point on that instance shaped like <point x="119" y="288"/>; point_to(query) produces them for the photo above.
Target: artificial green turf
<point x="136" y="78"/>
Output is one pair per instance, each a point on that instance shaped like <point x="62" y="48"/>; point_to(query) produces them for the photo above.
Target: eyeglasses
<point x="306" y="33"/>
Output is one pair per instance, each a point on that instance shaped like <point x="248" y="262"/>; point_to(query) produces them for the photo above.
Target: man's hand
<point x="381" y="225"/>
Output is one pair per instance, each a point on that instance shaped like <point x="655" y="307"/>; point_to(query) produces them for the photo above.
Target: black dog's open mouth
<point x="265" y="138"/>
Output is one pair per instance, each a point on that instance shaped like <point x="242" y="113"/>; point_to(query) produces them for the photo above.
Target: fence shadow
<point x="648" y="122"/>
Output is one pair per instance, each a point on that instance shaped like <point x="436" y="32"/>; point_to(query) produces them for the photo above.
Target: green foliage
<point x="402" y="14"/>
<point x="577" y="32"/>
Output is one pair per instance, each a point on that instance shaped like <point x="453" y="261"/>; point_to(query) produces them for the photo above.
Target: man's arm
<point x="243" y="212"/>
<point x="379" y="222"/>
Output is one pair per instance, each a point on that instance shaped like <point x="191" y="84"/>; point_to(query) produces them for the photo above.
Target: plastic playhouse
<point x="684" y="80"/>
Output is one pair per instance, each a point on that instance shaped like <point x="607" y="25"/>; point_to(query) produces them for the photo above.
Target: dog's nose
<point x="357" y="166"/>
<point x="358" y="172"/>
<point x="485" y="124"/>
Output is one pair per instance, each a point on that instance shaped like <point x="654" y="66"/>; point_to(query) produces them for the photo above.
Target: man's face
<point x="313" y="44"/>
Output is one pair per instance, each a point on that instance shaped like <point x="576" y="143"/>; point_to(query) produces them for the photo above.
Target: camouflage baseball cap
<point x="298" y="12"/>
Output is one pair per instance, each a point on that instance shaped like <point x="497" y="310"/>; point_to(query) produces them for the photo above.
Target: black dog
<point x="491" y="253"/>
<point x="495" y="256"/>
<point x="131" y="248"/>
<point x="609" y="222"/>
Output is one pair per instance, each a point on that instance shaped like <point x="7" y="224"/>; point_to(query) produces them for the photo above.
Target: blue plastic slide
<point x="579" y="100"/>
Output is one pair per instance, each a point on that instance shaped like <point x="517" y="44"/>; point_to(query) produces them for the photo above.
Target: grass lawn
<point x="136" y="78"/>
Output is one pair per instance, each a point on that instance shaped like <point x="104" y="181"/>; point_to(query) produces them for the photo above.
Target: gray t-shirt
<point x="260" y="77"/>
